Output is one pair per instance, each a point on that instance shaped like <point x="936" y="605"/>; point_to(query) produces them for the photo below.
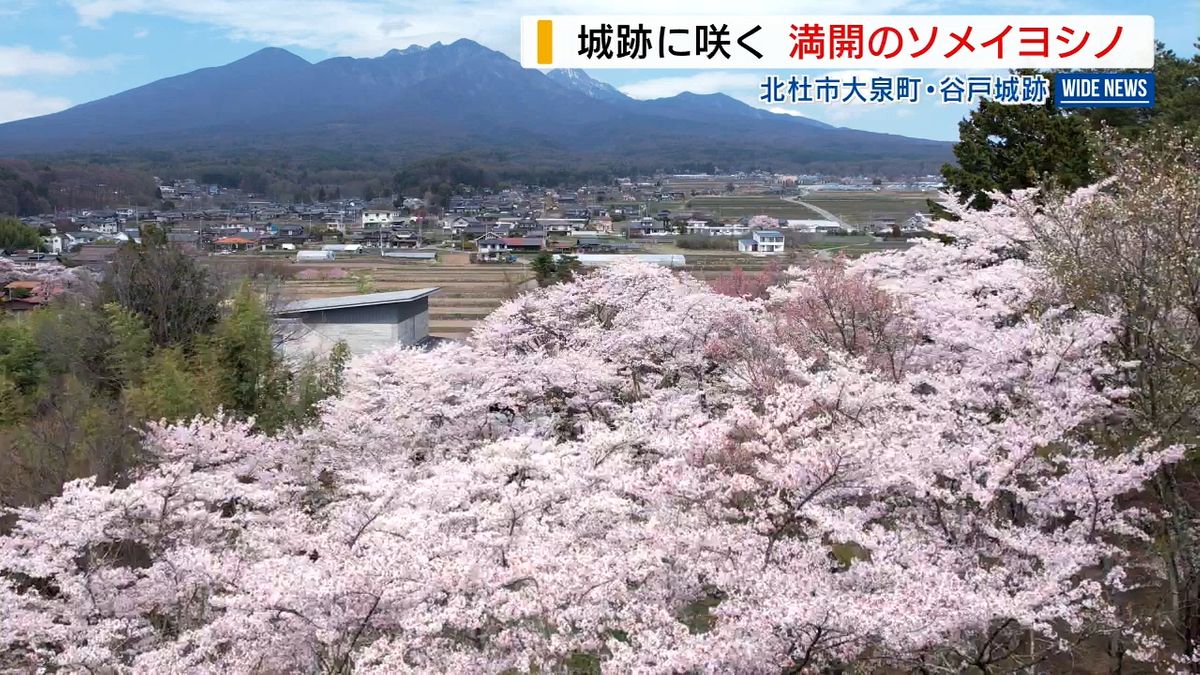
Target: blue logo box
<point x="1104" y="90"/>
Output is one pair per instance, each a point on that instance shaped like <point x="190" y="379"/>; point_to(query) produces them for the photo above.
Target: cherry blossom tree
<point x="54" y="277"/>
<point x="884" y="462"/>
<point x="739" y="284"/>
<point x="763" y="222"/>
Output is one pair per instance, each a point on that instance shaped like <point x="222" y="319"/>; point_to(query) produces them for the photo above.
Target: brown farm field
<point x="468" y="292"/>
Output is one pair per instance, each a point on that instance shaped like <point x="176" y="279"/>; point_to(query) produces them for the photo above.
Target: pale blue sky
<point x="57" y="53"/>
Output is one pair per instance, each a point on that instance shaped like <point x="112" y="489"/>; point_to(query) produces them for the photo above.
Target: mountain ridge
<point x="445" y="98"/>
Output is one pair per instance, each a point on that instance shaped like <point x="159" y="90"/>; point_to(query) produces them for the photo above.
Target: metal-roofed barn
<point x="364" y="322"/>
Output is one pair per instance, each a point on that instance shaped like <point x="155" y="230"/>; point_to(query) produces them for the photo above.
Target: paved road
<point x="816" y="209"/>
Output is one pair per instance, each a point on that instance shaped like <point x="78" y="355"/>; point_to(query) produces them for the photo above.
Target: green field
<point x="631" y="208"/>
<point x="855" y="208"/>
<point x="737" y="206"/>
<point x="863" y="208"/>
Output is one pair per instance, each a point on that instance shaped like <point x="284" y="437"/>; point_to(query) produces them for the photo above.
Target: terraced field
<point x="468" y="292"/>
<point x="710" y="265"/>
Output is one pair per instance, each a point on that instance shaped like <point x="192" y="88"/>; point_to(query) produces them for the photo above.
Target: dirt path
<point x="827" y="215"/>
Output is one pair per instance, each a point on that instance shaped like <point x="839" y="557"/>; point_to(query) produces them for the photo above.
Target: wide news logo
<point x="1104" y="90"/>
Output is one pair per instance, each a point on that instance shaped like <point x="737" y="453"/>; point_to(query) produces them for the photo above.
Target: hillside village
<point x="447" y="265"/>
<point x="589" y="218"/>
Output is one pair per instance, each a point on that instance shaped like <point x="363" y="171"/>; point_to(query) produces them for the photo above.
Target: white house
<point x="491" y="248"/>
<point x="73" y="239"/>
<point x="53" y="243"/>
<point x="458" y="224"/>
<point x="103" y="227"/>
<point x="717" y="229"/>
<point x="129" y="235"/>
<point x="561" y="225"/>
<point x="762" y="242"/>
<point x="380" y="217"/>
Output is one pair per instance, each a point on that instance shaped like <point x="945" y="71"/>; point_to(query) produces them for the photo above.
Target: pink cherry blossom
<point x="884" y="462"/>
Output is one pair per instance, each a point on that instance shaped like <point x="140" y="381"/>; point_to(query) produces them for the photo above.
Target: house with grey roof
<point x="762" y="242"/>
<point x="365" y="322"/>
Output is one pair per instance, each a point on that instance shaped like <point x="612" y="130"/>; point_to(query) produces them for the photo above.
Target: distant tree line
<point x="300" y="175"/>
<point x="28" y="188"/>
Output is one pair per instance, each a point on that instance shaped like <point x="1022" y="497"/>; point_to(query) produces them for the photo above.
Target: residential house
<point x="101" y="223"/>
<point x="491" y="248"/>
<point x="404" y="238"/>
<point x="524" y="244"/>
<point x="376" y="218"/>
<point x="561" y="225"/>
<point x="286" y="229"/>
<point x="464" y="205"/>
<point x="71" y="240"/>
<point x="648" y="227"/>
<point x="458" y="224"/>
<point x="54" y="243"/>
<point x="762" y="242"/>
<point x="24" y="295"/>
<point x="235" y="243"/>
<point x="705" y="228"/>
<point x="129" y="235"/>
<point x="473" y="231"/>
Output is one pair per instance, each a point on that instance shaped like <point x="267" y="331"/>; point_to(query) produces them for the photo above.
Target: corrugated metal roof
<point x="364" y="300"/>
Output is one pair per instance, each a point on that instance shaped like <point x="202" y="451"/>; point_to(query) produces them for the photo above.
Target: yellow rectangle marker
<point x="545" y="41"/>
